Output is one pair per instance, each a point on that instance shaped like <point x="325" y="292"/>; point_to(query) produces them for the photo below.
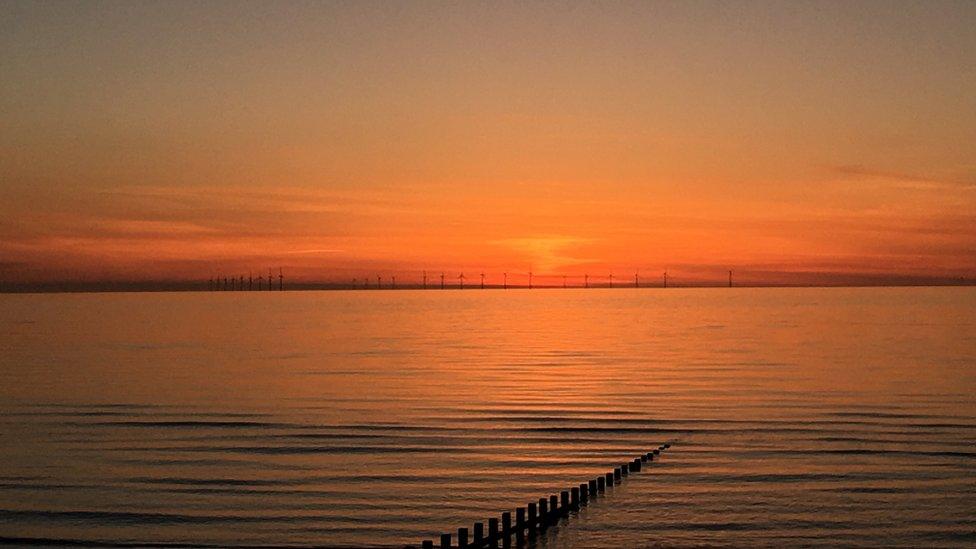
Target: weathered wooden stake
<point x="427" y="544"/>
<point x="593" y="488"/>
<point x="564" y="501"/>
<point x="532" y="516"/>
<point x="506" y="524"/>
<point x="584" y="493"/>
<point x="574" y="497"/>
<point x="519" y="519"/>
<point x="462" y="538"/>
<point x="445" y="541"/>
<point x="616" y="474"/>
<point x="601" y="482"/>
<point x="543" y="512"/>
<point x="553" y="508"/>
<point x="479" y="533"/>
<point x="493" y="532"/>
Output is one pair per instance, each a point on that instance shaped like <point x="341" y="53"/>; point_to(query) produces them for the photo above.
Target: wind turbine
<point x="505" y="281"/>
<point x="586" y="281"/>
<point x="636" y="279"/>
<point x="281" y="280"/>
<point x="442" y="281"/>
<point x="611" y="280"/>
<point x="482" y="281"/>
<point x="530" y="280"/>
<point x="425" y="280"/>
<point x="461" y="278"/>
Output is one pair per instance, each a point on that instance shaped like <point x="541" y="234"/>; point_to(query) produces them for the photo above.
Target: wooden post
<point x="564" y="501"/>
<point x="657" y="452"/>
<point x="506" y="524"/>
<point x="462" y="538"/>
<point x="493" y="532"/>
<point x="643" y="457"/>
<point x="574" y="496"/>
<point x="543" y="512"/>
<point x="601" y="483"/>
<point x="584" y="493"/>
<point x="479" y="534"/>
<point x="553" y="508"/>
<point x="427" y="544"/>
<point x="609" y="477"/>
<point x="635" y="465"/>
<point x="519" y="519"/>
<point x="624" y="469"/>
<point x="532" y="516"/>
<point x="445" y="541"/>
<point x="593" y="488"/>
<point x="616" y="474"/>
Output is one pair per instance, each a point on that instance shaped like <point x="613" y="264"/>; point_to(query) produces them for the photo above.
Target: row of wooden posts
<point x="539" y="516"/>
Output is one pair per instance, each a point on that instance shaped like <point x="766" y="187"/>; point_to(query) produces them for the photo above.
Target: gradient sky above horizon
<point x="168" y="140"/>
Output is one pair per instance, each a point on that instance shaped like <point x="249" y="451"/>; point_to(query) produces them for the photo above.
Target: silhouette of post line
<point x="548" y="511"/>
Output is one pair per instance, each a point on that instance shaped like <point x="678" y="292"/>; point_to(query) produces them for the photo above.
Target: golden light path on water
<point x="801" y="416"/>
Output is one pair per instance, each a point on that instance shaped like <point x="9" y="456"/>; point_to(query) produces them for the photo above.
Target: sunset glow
<point x="795" y="143"/>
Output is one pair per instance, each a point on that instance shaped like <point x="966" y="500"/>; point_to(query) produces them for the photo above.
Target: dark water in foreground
<point x="833" y="417"/>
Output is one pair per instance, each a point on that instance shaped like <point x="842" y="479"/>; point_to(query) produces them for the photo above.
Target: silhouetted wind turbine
<point x="504" y="281"/>
<point x="636" y="279"/>
<point x="393" y="284"/>
<point x="730" y="278"/>
<point x="270" y="279"/>
<point x="250" y="280"/>
<point x="425" y="280"/>
<point x="461" y="278"/>
<point x="241" y="288"/>
<point x="442" y="281"/>
<point x="378" y="286"/>
<point x="611" y="280"/>
<point x="586" y="281"/>
<point x="564" y="281"/>
<point x="530" y="280"/>
<point x="665" y="278"/>
<point x="281" y="280"/>
<point x="482" y="281"/>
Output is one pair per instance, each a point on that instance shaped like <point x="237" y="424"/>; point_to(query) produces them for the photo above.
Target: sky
<point x="794" y="142"/>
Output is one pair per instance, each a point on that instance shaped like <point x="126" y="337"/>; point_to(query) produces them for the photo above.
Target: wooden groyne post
<point x="532" y="517"/>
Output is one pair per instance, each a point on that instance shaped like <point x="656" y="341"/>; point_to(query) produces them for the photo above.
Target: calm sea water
<point x="832" y="417"/>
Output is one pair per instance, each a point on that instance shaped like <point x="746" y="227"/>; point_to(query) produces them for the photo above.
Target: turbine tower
<point x="442" y="281"/>
<point x="461" y="279"/>
<point x="530" y="280"/>
<point x="281" y="280"/>
<point x="586" y="281"/>
<point x="482" y="281"/>
<point x="504" y="281"/>
<point x="611" y="280"/>
<point x="425" y="280"/>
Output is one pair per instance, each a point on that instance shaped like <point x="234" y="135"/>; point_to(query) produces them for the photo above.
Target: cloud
<point x="905" y="180"/>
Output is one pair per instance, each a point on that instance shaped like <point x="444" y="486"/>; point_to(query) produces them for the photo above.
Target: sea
<point x="797" y="417"/>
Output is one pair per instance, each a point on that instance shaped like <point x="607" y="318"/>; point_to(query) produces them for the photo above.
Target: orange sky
<point x="793" y="142"/>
